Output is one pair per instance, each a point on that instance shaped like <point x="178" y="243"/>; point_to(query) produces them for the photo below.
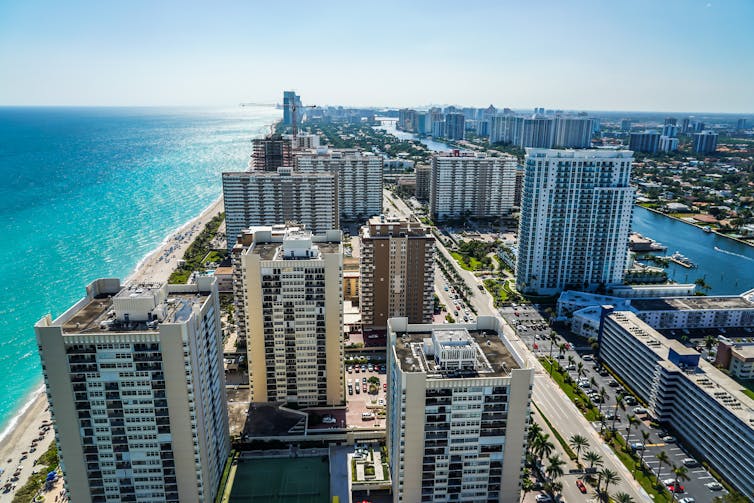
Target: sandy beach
<point x="156" y="267"/>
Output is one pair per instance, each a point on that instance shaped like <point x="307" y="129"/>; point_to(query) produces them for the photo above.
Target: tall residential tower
<point x="458" y="402"/>
<point x="136" y="387"/>
<point x="575" y="220"/>
<point x="293" y="309"/>
<point x="397" y="272"/>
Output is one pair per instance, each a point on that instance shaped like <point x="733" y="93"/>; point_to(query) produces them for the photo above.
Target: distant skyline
<point x="674" y="55"/>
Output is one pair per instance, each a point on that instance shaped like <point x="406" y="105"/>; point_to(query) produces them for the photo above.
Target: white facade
<point x="272" y="198"/>
<point x="359" y="179"/>
<point x="575" y="220"/>
<point x="465" y="186"/>
<point x="136" y="387"/>
<point x="458" y="406"/>
<point x="668" y="144"/>
<point x="705" y="407"/>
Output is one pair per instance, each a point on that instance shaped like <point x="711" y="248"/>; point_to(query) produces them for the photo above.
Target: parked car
<point x="639" y="411"/>
<point x="714" y="486"/>
<point x="690" y="462"/>
<point x="668" y="439"/>
<point x="678" y="489"/>
<point x="329" y="420"/>
<point x="588" y="358"/>
<point x="637" y="446"/>
<point x="688" y="499"/>
<point x="543" y="498"/>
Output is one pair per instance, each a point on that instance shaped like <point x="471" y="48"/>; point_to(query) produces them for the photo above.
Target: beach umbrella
<point x="51" y="476"/>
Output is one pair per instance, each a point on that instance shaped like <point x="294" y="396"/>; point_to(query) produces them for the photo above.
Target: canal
<point x="388" y="124"/>
<point x="726" y="265"/>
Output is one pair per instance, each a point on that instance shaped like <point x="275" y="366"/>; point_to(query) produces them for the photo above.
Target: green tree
<point x="680" y="474"/>
<point x="526" y="485"/>
<point x="709" y="342"/>
<point x="632" y="421"/>
<point x="593" y="458"/>
<point x="645" y="438"/>
<point x="609" y="477"/>
<point x="623" y="498"/>
<point x="578" y="442"/>
<point x="664" y="459"/>
<point x="542" y="447"/>
<point x="554" y="468"/>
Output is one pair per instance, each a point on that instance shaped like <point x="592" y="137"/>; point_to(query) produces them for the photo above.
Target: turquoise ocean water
<point x="87" y="193"/>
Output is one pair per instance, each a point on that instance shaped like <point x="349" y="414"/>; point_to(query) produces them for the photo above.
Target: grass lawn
<point x="577" y="396"/>
<point x="213" y="256"/>
<point x="497" y="290"/>
<point x="747" y="391"/>
<point x="472" y="264"/>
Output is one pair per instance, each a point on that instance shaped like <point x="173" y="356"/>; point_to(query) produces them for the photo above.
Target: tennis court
<point x="299" y="480"/>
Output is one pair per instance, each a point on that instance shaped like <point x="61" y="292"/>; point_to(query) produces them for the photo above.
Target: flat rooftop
<point x="722" y="388"/>
<point x="97" y="315"/>
<point x="493" y="358"/>
<point x="692" y="303"/>
<point x="269" y="251"/>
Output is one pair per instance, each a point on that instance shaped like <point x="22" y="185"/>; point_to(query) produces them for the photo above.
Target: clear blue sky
<point x="665" y="55"/>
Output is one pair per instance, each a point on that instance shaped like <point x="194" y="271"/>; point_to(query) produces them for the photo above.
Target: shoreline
<point x="156" y="266"/>
<point x="742" y="241"/>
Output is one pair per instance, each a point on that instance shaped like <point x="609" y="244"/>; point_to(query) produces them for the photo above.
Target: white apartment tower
<point x="359" y="179"/>
<point x="575" y="220"/>
<point x="458" y="402"/>
<point x="135" y="381"/>
<point x="293" y="296"/>
<point x="471" y="186"/>
<point x="255" y="198"/>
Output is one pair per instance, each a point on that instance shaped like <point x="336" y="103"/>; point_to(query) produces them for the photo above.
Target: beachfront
<point x="29" y="425"/>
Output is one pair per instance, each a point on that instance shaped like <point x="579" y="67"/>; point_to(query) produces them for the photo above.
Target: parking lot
<point x="360" y="400"/>
<point x="535" y="331"/>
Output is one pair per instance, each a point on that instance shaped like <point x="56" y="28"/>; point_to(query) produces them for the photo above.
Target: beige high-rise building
<point x="135" y="381"/>
<point x="458" y="407"/>
<point x="293" y="296"/>
<point x="397" y="272"/>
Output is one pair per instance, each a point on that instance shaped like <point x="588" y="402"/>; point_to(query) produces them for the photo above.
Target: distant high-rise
<point x="537" y="131"/>
<point x="136" y="388"/>
<point x="423" y="181"/>
<point x="471" y="186"/>
<point x="705" y="142"/>
<point x="359" y="178"/>
<point x="407" y="120"/>
<point x="670" y="130"/>
<point x="647" y="141"/>
<point x="290" y="101"/>
<point x="267" y="198"/>
<point x="271" y="153"/>
<point x="741" y="124"/>
<point x="293" y="296"/>
<point x="397" y="272"/>
<point x="573" y="132"/>
<point x="455" y="126"/>
<point x="685" y="125"/>
<point x="625" y="125"/>
<point x="575" y="220"/>
<point x="668" y="144"/>
<point x="697" y="126"/>
<point x="671" y="121"/>
<point x="458" y="405"/>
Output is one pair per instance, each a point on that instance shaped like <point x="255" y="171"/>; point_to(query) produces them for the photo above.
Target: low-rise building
<point x="704" y="406"/>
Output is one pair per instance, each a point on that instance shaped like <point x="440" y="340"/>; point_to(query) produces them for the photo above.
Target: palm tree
<point x="603" y="394"/>
<point x="623" y="498"/>
<point x="553" y="340"/>
<point x="663" y="458"/>
<point x="571" y="360"/>
<point x="593" y="458"/>
<point x="580" y="369"/>
<point x="562" y="348"/>
<point x="534" y="430"/>
<point x="644" y="437"/>
<point x="610" y="477"/>
<point x="709" y="342"/>
<point x="578" y="442"/>
<point x="526" y="485"/>
<point x="554" y="469"/>
<point x="632" y="421"/>
<point x="542" y="446"/>
<point x="680" y="473"/>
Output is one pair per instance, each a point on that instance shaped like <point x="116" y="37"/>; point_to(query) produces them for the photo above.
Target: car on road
<point x="688" y="499"/>
<point x="714" y="486"/>
<point x="587" y="358"/>
<point x="543" y="498"/>
<point x="581" y="486"/>
<point x="640" y="411"/>
<point x="668" y="439"/>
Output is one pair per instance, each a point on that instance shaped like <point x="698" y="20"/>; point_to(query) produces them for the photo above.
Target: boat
<point x="682" y="260"/>
<point x="707" y="229"/>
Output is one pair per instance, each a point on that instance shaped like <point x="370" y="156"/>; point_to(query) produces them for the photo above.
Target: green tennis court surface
<point x="300" y="480"/>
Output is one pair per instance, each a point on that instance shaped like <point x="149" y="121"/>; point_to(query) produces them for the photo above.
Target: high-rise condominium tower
<point x="458" y="407"/>
<point x="270" y="198"/>
<point x="471" y="186"/>
<point x="575" y="220"/>
<point x="397" y="272"/>
<point x="136" y="387"/>
<point x="293" y="296"/>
